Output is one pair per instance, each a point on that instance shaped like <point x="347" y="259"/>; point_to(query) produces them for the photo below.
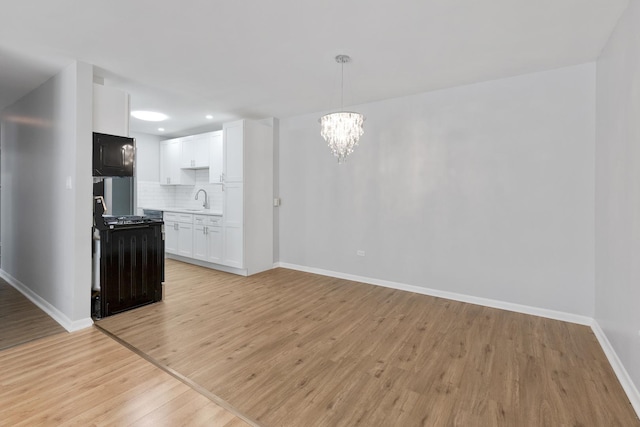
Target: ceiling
<point x="257" y="59"/>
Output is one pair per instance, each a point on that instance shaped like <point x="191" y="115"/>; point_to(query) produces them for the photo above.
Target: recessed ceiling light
<point x="209" y="116"/>
<point x="161" y="129"/>
<point x="149" y="116"/>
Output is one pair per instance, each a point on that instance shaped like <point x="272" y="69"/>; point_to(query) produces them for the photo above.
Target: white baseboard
<point x="503" y="305"/>
<point x="623" y="376"/>
<point x="226" y="269"/>
<point x="53" y="312"/>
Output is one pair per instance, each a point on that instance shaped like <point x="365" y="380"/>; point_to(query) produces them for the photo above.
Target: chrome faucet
<point x="206" y="198"/>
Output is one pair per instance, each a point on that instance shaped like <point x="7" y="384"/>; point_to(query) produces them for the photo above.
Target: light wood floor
<point x="21" y="320"/>
<point x="86" y="378"/>
<point x="287" y="348"/>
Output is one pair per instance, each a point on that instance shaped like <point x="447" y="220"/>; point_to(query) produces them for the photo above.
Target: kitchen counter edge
<point x="210" y="212"/>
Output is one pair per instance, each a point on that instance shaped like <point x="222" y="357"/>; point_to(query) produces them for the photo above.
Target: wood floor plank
<point x="86" y="378"/>
<point x="287" y="348"/>
<point x="22" y="321"/>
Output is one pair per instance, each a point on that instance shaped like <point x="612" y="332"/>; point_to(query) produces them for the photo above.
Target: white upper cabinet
<point x="110" y="110"/>
<point x="170" y="171"/>
<point x="187" y="152"/>
<point x="216" y="157"/>
<point x="169" y="154"/>
<point x="195" y="151"/>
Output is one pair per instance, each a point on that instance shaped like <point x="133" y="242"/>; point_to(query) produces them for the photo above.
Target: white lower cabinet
<point x="233" y="246"/>
<point x="214" y="240"/>
<point x="207" y="238"/>
<point x="233" y="230"/>
<point x="178" y="230"/>
<point x="200" y="242"/>
<point x="185" y="239"/>
<point x="170" y="237"/>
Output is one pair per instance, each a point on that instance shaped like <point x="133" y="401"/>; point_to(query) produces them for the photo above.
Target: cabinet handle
<point x="206" y="230"/>
<point x="175" y="226"/>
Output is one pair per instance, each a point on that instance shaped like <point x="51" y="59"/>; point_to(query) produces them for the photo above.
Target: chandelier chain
<point x="342" y="86"/>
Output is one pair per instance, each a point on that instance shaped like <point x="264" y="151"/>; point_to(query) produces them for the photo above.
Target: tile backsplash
<point x="152" y="194"/>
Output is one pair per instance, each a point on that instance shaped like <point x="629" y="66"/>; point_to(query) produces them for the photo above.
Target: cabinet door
<point x="233" y="205"/>
<point x="170" y="158"/>
<point x="201" y="150"/>
<point x="214" y="242"/>
<point x="233" y="219"/>
<point x="233" y="151"/>
<point x="171" y="237"/>
<point x="233" y="246"/>
<point x="185" y="239"/>
<point x="167" y="162"/>
<point x="200" y="243"/>
<point x="194" y="151"/>
<point x="110" y="110"/>
<point x="216" y="159"/>
<point x="187" y="152"/>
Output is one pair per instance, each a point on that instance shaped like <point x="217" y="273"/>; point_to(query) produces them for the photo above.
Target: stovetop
<point x="128" y="220"/>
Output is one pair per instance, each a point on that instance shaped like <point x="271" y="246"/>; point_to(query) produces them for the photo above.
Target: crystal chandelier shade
<point x="342" y="130"/>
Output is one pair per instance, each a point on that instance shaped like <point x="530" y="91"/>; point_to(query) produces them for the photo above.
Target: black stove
<point x="131" y="262"/>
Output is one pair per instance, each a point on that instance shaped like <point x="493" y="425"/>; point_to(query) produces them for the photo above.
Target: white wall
<point x="617" y="214"/>
<point x="47" y="192"/>
<point x="484" y="190"/>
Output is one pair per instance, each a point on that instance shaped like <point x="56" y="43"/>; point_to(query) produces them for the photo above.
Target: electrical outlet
<point x="276" y="202"/>
<point x="360" y="252"/>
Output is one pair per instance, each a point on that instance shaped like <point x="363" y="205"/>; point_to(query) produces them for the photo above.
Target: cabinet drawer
<point x="214" y="220"/>
<point x="185" y="218"/>
<point x="170" y="216"/>
<point x="179" y="217"/>
<point x="207" y="220"/>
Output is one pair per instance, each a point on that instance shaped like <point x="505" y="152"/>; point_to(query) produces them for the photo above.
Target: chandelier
<point x="343" y="129"/>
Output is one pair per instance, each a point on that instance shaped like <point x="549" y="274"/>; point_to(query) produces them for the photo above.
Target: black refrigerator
<point x="118" y="193"/>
